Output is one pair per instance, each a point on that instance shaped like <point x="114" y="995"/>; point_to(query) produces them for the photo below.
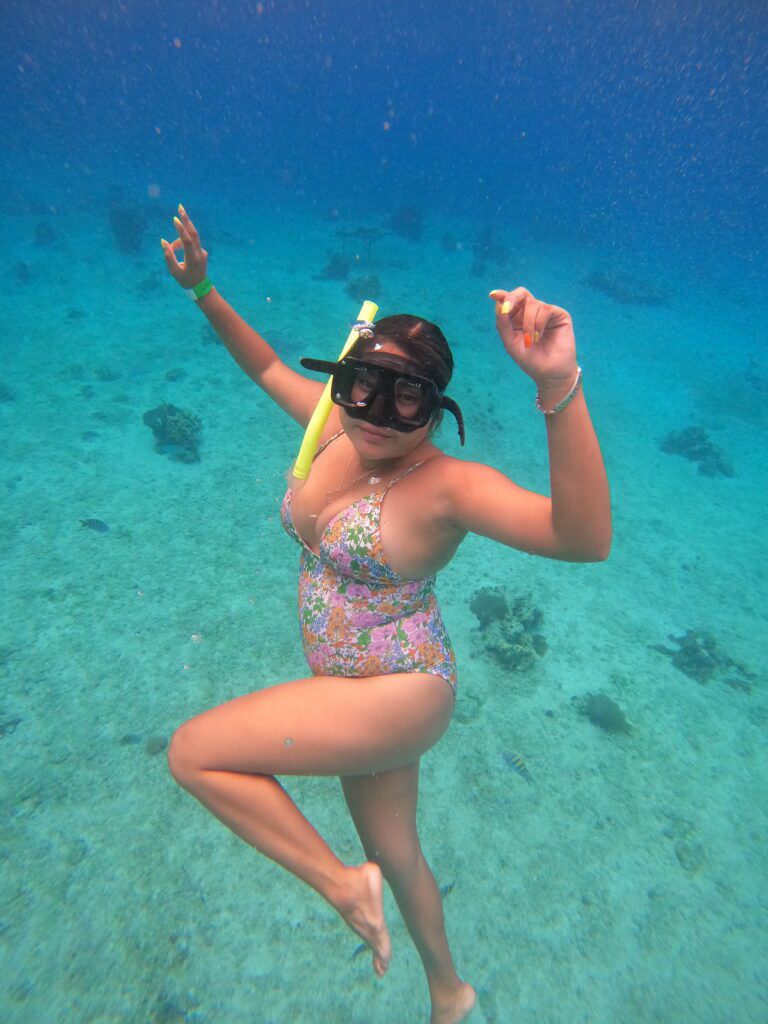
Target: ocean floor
<point x="624" y="881"/>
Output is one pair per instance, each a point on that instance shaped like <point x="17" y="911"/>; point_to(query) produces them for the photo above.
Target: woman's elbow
<point x="599" y="549"/>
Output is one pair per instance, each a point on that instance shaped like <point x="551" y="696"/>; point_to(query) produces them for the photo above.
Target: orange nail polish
<point x="527" y="340"/>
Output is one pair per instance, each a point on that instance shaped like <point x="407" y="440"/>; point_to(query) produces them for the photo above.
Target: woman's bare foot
<point x="362" y="907"/>
<point x="455" y="1008"/>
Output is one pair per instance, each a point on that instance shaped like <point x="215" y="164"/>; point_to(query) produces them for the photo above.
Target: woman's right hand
<point x="193" y="266"/>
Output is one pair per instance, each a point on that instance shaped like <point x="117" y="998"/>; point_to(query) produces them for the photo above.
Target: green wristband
<point x="199" y="291"/>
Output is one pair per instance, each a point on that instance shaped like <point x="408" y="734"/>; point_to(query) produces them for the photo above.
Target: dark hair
<point x="424" y="345"/>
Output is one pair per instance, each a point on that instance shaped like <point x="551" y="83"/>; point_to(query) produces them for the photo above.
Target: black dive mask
<point x="384" y="392"/>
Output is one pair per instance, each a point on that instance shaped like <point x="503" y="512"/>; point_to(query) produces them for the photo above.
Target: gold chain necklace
<point x="373" y="479"/>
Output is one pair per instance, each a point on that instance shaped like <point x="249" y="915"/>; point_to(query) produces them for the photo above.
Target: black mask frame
<point x="385" y="392"/>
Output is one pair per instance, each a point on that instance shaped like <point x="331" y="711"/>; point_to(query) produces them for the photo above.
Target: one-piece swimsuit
<point x="358" y="617"/>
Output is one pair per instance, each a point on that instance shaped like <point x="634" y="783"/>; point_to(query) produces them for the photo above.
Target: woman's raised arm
<point x="573" y="524"/>
<point x="295" y="394"/>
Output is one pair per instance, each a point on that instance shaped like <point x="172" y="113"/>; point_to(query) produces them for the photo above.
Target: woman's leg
<point x="322" y="725"/>
<point x="383" y="808"/>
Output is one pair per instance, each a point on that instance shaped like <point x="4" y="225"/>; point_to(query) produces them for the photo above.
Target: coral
<point x="488" y="605"/>
<point x="508" y="634"/>
<point x="177" y="433"/>
<point x="362" y="238"/>
<point x="44" y="233"/>
<point x="337" y="268"/>
<point x="694" y="444"/>
<point x="362" y="288"/>
<point x="697" y="656"/>
<point x="627" y="290"/>
<point x="604" y="713"/>
<point x="488" y="248"/>
<point x="408" y="223"/>
<point x="128" y="220"/>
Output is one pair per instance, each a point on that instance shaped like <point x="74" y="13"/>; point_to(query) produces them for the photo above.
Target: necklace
<point x="373" y="479"/>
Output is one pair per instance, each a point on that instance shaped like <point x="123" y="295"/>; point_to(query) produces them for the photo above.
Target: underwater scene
<point x="595" y="815"/>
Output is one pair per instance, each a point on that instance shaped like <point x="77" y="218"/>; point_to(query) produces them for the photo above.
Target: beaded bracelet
<point x="563" y="401"/>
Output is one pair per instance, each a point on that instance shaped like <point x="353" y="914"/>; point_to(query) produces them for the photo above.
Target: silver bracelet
<point x="563" y="401"/>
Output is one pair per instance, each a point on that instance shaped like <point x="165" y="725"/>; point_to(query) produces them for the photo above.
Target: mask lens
<point x="410" y="397"/>
<point x="384" y="395"/>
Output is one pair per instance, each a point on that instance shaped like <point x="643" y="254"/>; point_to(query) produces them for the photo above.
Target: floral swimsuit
<point x="358" y="617"/>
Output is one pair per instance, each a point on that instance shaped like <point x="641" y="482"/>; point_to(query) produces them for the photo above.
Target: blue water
<point x="611" y="158"/>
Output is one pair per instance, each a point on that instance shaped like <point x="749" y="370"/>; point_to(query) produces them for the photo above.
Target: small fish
<point x="446" y="890"/>
<point x="359" y="950"/>
<point x="517" y="763"/>
<point x="95" y="524"/>
<point x="9" y="726"/>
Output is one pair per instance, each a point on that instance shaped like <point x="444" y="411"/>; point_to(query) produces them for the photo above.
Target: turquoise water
<point x="611" y="160"/>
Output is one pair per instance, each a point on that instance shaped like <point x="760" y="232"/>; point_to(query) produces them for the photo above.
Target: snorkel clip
<point x="363" y="328"/>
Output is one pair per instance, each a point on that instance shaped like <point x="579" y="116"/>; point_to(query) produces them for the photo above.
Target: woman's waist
<point x="352" y="601"/>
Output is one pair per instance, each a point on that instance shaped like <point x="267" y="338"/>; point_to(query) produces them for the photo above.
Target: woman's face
<point x="378" y="442"/>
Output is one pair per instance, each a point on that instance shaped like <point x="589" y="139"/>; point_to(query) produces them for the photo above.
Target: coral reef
<point x="488" y="248"/>
<point x="508" y="633"/>
<point x="337" y="268"/>
<point x="362" y="288"/>
<point x="128" y="220"/>
<point x="604" y="712"/>
<point x="408" y="223"/>
<point x="177" y="433"/>
<point x="694" y="444"/>
<point x="697" y="655"/>
<point x="627" y="290"/>
<point x="488" y="605"/>
<point x="362" y="239"/>
<point x="44" y="233"/>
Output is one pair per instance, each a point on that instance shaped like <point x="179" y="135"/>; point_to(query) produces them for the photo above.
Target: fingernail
<point x="527" y="340"/>
<point x="182" y="211"/>
<point x="163" y="242"/>
<point x="536" y="336"/>
<point x="506" y="306"/>
<point x="177" y="222"/>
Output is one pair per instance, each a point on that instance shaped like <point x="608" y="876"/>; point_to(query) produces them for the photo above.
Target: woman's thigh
<point x="321" y="725"/>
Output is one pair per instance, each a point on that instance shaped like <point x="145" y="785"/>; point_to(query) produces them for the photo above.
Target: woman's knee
<point x="183" y="754"/>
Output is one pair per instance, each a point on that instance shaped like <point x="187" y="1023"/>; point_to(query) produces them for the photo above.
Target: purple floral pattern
<point x="358" y="617"/>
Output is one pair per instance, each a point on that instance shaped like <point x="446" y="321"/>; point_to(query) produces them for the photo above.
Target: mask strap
<point x="451" y="406"/>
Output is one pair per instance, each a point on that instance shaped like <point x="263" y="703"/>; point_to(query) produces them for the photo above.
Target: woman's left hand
<point x="537" y="335"/>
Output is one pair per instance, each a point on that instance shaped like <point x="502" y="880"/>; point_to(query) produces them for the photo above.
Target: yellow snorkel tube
<point x="311" y="441"/>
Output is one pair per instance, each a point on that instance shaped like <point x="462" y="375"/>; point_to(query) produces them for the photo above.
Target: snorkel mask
<point x="382" y="388"/>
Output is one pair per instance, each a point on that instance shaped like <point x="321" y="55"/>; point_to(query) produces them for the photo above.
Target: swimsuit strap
<point x="405" y="472"/>
<point x="325" y="444"/>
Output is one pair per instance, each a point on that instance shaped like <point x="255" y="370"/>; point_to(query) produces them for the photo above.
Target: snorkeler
<point x="381" y="512"/>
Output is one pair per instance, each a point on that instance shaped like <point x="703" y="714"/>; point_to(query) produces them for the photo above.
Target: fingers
<point x="513" y="310"/>
<point x="169" y="252"/>
<point x="187" y="224"/>
<point x="525" y="314"/>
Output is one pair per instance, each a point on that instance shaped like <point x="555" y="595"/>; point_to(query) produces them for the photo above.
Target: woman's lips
<point x="373" y="434"/>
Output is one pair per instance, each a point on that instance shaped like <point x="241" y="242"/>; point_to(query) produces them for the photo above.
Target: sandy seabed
<point x="623" y="884"/>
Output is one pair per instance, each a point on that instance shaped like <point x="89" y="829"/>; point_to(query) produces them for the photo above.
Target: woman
<point x="382" y="689"/>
